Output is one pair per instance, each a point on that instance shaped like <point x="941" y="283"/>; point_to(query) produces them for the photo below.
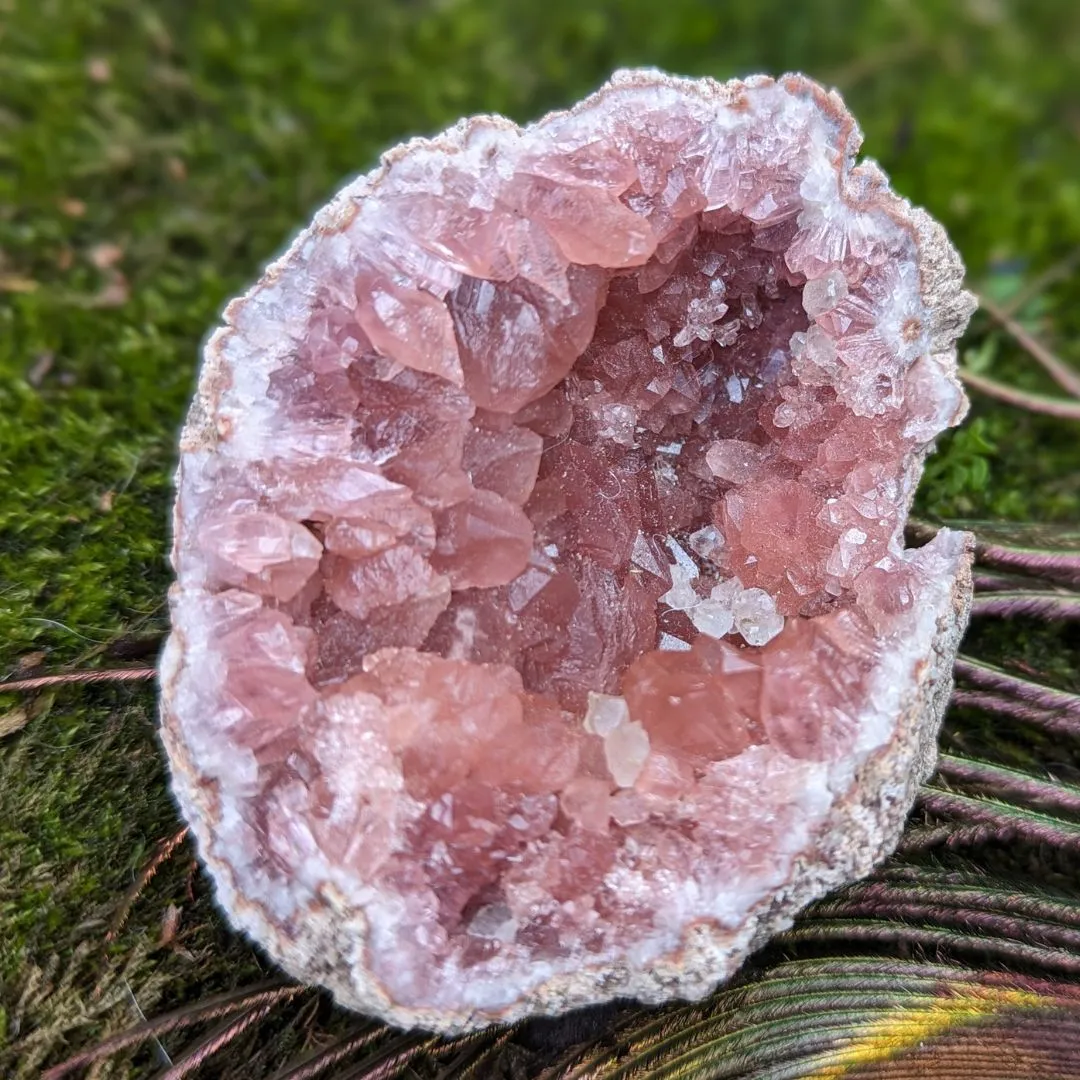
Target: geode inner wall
<point x="543" y="629"/>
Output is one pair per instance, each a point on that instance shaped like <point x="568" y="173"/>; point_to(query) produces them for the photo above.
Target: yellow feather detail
<point x="905" y="1029"/>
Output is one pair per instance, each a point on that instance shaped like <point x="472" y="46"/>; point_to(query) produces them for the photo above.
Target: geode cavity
<point x="543" y="629"/>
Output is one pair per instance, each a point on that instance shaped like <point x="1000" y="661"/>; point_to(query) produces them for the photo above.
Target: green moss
<point x="208" y="135"/>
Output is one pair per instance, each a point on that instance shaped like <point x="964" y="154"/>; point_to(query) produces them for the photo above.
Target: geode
<point x="543" y="629"/>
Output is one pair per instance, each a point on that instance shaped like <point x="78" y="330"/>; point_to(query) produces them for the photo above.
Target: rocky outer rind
<point x="326" y="943"/>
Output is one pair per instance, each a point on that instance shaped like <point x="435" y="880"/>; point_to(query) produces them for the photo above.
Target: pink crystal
<point x="543" y="629"/>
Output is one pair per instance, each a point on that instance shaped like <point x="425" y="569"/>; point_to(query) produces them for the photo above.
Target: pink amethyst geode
<point x="543" y="630"/>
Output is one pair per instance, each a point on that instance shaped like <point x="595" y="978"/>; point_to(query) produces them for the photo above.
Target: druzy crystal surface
<point x="543" y="629"/>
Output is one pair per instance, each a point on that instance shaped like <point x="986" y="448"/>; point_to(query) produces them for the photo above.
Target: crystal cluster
<point x="543" y="629"/>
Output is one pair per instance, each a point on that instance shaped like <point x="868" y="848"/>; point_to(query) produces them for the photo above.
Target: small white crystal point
<point x="756" y="617"/>
<point x="712" y="618"/>
<point x="626" y="750"/>
<point x="671" y="643"/>
<point x="708" y="542"/>
<point x="824" y="293"/>
<point x="605" y="713"/>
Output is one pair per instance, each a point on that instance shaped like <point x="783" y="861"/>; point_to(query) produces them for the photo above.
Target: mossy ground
<point x="154" y="155"/>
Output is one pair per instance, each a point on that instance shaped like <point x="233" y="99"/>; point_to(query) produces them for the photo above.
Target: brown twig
<point x="209" y="1008"/>
<point x="113" y="675"/>
<point x="224" y="1034"/>
<point x="1038" y="403"/>
<point x="1061" y="373"/>
<point x="163" y="853"/>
